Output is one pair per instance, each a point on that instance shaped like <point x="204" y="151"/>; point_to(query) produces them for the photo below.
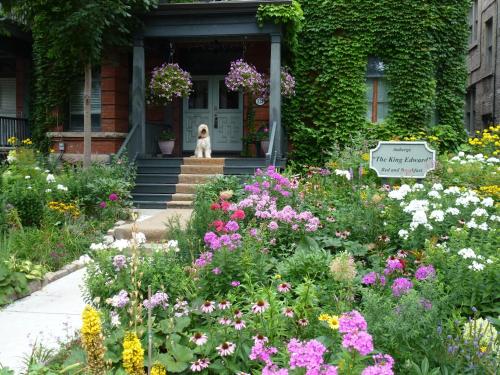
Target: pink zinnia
<point x="200" y="364"/>
<point x="239" y="324"/>
<point x="113" y="197"/>
<point x="284" y="287"/>
<point x="288" y="312"/>
<point x="208" y="307"/>
<point x="238" y="215"/>
<point x="226" y="348"/>
<point x="199" y="338"/>
<point x="260" y="306"/>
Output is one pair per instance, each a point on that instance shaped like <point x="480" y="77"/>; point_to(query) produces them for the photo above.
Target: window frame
<point x="375" y="76"/>
<point x="96" y="113"/>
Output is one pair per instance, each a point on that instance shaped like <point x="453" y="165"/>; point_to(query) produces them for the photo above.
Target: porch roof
<point x="208" y="19"/>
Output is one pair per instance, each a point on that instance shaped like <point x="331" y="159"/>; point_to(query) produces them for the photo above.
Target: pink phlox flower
<point x="425" y="272"/>
<point x="308" y="354"/>
<point x="360" y="341"/>
<point x="401" y="286"/>
<point x="352" y="322"/>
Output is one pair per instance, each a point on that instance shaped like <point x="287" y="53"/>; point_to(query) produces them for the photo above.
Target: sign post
<point x="402" y="159"/>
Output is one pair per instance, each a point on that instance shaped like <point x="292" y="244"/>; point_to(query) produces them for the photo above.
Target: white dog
<point x="203" y="145"/>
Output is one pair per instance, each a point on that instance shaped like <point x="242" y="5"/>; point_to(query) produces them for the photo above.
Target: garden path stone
<point x="153" y="223"/>
<point x="48" y="316"/>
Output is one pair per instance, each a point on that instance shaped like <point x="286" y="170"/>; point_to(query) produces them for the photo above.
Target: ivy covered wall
<point x="422" y="44"/>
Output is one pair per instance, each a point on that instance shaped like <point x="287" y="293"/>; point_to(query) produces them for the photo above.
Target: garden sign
<point x="402" y="159"/>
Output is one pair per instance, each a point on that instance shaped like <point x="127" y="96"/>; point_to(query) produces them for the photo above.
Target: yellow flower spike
<point x="133" y="354"/>
<point x="158" y="369"/>
<point x="93" y="341"/>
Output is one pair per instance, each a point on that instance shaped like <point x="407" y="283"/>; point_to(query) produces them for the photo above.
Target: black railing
<point x="13" y="127"/>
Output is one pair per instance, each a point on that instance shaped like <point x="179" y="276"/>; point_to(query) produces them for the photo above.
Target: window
<point x="76" y="104"/>
<point x="470" y="110"/>
<point x="8" y="97"/>
<point x="473" y="21"/>
<point x="489" y="43"/>
<point x="376" y="91"/>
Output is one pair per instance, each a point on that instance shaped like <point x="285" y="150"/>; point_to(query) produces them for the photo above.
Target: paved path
<point x="48" y="316"/>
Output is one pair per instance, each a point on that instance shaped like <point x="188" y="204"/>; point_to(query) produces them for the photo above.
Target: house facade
<point x="482" y="106"/>
<point x="15" y="68"/>
<point x="203" y="38"/>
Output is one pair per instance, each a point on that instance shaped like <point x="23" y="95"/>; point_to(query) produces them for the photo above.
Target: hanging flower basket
<point x="168" y="82"/>
<point x="287" y="83"/>
<point x="245" y="77"/>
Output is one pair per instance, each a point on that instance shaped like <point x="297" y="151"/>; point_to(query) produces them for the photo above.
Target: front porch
<point x="203" y="38"/>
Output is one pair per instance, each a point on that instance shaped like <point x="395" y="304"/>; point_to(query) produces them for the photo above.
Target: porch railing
<point x="271" y="154"/>
<point x="131" y="145"/>
<point x="13" y="127"/>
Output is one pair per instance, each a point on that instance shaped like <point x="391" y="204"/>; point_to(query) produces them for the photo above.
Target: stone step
<point x="150" y="204"/>
<point x="182" y="197"/>
<point x="179" y="204"/>
<point x="203" y="161"/>
<point x="202" y="169"/>
<point x="185" y="188"/>
<point x="195" y="178"/>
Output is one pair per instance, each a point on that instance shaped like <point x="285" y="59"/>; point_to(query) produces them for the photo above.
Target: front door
<point x="211" y="103"/>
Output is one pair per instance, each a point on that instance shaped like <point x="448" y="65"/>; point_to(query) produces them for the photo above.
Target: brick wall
<point x="115" y="94"/>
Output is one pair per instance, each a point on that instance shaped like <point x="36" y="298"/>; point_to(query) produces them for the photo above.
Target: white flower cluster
<point x="344" y="173"/>
<point x="462" y="158"/>
<point x="400" y="193"/>
<point x="476" y="265"/>
<point x="138" y="238"/>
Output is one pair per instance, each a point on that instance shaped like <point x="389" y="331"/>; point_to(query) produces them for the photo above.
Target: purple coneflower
<point x="239" y="324"/>
<point x="200" y="364"/>
<point x="225" y="321"/>
<point x="288" y="312"/>
<point x="284" y="287"/>
<point x="208" y="307"/>
<point x="260" y="306"/>
<point x="303" y="322"/>
<point x="226" y="348"/>
<point x="199" y="338"/>
<point x="224" y="305"/>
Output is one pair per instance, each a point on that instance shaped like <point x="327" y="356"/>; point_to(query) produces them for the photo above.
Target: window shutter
<point x="76" y="97"/>
<point x="8" y="97"/>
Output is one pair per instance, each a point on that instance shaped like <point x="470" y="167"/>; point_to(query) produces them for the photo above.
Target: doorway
<point x="211" y="103"/>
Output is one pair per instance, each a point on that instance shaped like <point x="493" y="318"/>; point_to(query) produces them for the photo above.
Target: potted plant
<point x="263" y="137"/>
<point x="166" y="142"/>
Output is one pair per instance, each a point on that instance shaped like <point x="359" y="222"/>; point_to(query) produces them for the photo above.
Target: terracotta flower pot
<point x="166" y="147"/>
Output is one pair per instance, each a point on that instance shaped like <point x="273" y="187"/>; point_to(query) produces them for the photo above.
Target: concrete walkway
<point x="46" y="317"/>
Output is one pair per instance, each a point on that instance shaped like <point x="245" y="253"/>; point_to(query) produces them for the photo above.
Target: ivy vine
<point x="422" y="44"/>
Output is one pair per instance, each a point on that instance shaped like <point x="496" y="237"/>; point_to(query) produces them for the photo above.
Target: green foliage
<point x="11" y="283"/>
<point x="422" y="44"/>
<point x="28" y="202"/>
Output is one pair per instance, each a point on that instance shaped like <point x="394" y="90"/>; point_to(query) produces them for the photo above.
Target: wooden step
<point x="194" y="178"/>
<point x="179" y="204"/>
<point x="202" y="169"/>
<point x="185" y="188"/>
<point x="203" y="161"/>
<point x="182" y="197"/>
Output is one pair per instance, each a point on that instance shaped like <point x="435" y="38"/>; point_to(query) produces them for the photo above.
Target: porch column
<point x="275" y="91"/>
<point x="139" y="92"/>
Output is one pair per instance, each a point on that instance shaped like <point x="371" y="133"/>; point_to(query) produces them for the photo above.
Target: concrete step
<point x="203" y="161"/>
<point x="194" y="178"/>
<point x="182" y="197"/>
<point x="180" y="204"/>
<point x="185" y="188"/>
<point x="154" y="227"/>
<point x="202" y="169"/>
<point x="155" y="169"/>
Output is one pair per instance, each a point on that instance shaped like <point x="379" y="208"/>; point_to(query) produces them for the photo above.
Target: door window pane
<point x="199" y="96"/>
<point x="228" y="99"/>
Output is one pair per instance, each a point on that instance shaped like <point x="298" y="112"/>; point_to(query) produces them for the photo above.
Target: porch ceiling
<point x="208" y="19"/>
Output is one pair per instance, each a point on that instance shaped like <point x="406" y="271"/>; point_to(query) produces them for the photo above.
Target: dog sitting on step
<point x="203" y="147"/>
